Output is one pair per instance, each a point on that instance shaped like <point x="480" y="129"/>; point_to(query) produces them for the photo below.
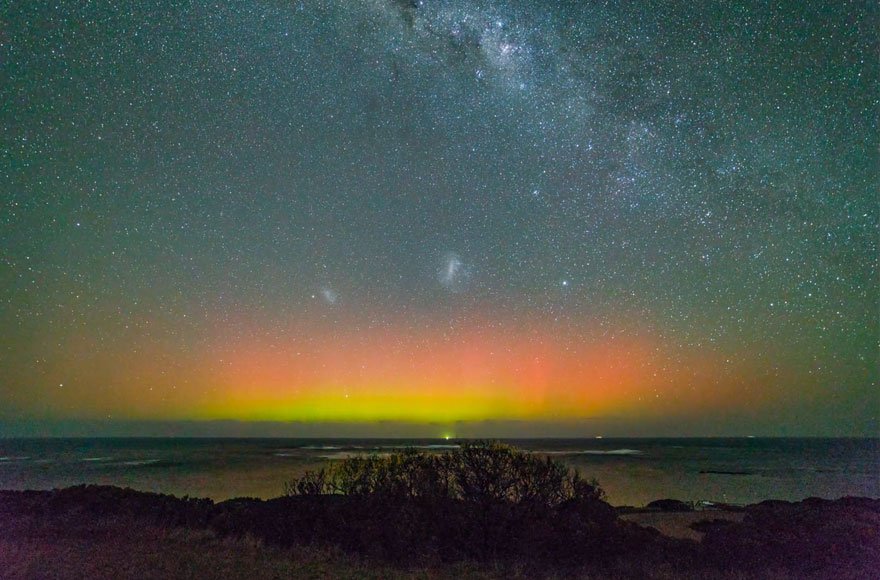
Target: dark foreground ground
<point x="107" y="532"/>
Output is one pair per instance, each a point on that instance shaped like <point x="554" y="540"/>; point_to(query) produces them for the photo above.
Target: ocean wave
<point x="96" y="458"/>
<point x="8" y="458"/>
<point x="350" y="454"/>
<point x="590" y="452"/>
<point x="365" y="449"/>
<point x="138" y="462"/>
<point x="435" y="446"/>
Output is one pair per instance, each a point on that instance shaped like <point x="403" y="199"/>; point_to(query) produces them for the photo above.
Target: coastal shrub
<point x="481" y="500"/>
<point x="478" y="473"/>
<point x="110" y="502"/>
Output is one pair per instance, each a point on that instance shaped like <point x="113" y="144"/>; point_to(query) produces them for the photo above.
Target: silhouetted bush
<point x="482" y="500"/>
<point x="109" y="502"/>
<point x="479" y="473"/>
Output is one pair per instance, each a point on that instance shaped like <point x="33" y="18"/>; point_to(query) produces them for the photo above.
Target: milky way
<point x="655" y="217"/>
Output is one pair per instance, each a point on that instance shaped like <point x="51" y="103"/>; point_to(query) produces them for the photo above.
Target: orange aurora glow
<point x="419" y="371"/>
<point x="467" y="373"/>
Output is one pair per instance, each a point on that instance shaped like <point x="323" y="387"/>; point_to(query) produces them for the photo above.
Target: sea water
<point x="631" y="471"/>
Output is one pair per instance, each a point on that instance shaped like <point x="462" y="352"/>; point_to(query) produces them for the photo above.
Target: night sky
<point x="439" y="217"/>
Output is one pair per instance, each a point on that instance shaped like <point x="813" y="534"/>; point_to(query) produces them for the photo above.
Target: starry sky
<point x="466" y="217"/>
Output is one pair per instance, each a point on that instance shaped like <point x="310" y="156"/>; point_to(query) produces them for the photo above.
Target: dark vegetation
<point x="483" y="502"/>
<point x="488" y="504"/>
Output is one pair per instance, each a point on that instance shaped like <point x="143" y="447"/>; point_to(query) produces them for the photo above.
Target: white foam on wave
<point x="360" y="450"/>
<point x="351" y="454"/>
<point x="591" y="452"/>
<point x="437" y="446"/>
<point x="97" y="458"/>
<point x="135" y="462"/>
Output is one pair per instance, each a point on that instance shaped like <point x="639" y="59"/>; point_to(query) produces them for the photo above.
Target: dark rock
<point x="627" y="509"/>
<point x="670" y="505"/>
<point x="704" y="526"/>
<point x="820" y="537"/>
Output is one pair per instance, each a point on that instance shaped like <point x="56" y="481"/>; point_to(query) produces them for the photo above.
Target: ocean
<point x="631" y="471"/>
